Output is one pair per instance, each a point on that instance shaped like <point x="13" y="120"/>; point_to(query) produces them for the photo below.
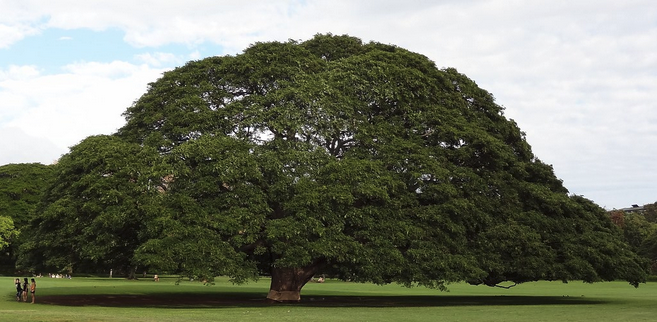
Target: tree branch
<point x="504" y="287"/>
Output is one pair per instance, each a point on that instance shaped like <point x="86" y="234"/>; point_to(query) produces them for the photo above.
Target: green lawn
<point x="103" y="299"/>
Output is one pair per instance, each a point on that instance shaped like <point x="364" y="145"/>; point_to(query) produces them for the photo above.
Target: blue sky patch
<point x="55" y="48"/>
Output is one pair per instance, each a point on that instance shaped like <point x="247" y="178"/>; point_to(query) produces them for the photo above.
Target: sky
<point x="579" y="77"/>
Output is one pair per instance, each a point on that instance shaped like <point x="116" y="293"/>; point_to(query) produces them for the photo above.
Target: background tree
<point x="648" y="249"/>
<point x="7" y="232"/>
<point x="636" y="229"/>
<point x="650" y="212"/>
<point x="21" y="187"/>
<point x="640" y="231"/>
<point x="364" y="160"/>
<point x="94" y="215"/>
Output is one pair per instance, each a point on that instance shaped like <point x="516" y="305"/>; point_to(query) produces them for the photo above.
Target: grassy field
<point x="103" y="299"/>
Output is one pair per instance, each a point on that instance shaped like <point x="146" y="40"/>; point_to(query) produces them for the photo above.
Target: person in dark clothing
<point x="26" y="285"/>
<point x="19" y="289"/>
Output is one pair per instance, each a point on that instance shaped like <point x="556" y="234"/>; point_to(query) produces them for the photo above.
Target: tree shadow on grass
<point x="217" y="300"/>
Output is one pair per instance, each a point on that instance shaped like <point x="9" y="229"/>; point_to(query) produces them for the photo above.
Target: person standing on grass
<point x="26" y="284"/>
<point x="33" y="290"/>
<point x="19" y="290"/>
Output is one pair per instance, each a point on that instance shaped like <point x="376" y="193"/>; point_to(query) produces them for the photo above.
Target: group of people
<point x="22" y="289"/>
<point x="319" y="280"/>
<point x="58" y="276"/>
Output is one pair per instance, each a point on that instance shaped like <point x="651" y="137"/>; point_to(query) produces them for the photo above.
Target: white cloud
<point x="66" y="108"/>
<point x="154" y="23"/>
<point x="160" y="59"/>
<point x="19" y="147"/>
<point x="15" y="72"/>
<point x="12" y="99"/>
<point x="195" y="55"/>
<point x="9" y="34"/>
<point x="98" y="71"/>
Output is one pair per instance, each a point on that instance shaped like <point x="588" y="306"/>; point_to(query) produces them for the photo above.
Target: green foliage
<point x="648" y="249"/>
<point x="21" y="186"/>
<point x="95" y="213"/>
<point x="368" y="160"/>
<point x="363" y="161"/>
<point x="636" y="228"/>
<point x="650" y="212"/>
<point x="639" y="231"/>
<point x="7" y="231"/>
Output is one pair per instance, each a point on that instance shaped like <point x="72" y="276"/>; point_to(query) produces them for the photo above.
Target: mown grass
<point x="103" y="299"/>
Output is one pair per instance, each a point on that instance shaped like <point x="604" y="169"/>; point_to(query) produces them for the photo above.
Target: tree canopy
<point x="363" y="161"/>
<point x="21" y="187"/>
<point x="639" y="230"/>
<point x="7" y="231"/>
<point x="94" y="215"/>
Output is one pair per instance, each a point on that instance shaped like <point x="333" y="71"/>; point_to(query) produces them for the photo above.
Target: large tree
<point x="291" y="159"/>
<point x="364" y="160"/>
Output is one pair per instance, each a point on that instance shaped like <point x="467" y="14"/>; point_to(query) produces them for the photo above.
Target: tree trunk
<point x="286" y="282"/>
<point x="132" y="273"/>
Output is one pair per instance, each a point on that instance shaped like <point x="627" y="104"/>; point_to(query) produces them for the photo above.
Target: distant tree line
<point x="639" y="231"/>
<point x="21" y="189"/>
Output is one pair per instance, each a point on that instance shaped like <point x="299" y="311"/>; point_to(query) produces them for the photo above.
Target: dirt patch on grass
<point x="251" y="300"/>
<point x="174" y="300"/>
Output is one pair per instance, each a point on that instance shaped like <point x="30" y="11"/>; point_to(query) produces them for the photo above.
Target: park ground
<point x="117" y="299"/>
